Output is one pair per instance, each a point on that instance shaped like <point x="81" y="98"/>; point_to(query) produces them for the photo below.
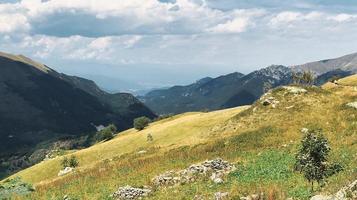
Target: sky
<point x="135" y="44"/>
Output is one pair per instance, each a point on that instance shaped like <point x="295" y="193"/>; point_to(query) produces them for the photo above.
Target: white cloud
<point x="237" y="25"/>
<point x="343" y="17"/>
<point x="13" y="23"/>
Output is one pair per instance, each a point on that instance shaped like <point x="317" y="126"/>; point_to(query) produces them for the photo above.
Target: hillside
<point x="230" y="90"/>
<point x="345" y="63"/>
<point x="259" y="140"/>
<point x="40" y="105"/>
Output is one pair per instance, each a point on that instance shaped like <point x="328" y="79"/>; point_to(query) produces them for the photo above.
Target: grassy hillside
<point x="260" y="140"/>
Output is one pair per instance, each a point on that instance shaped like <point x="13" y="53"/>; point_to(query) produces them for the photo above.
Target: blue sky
<point x="156" y="43"/>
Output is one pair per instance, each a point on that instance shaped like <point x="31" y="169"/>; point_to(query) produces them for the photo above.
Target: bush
<point x="150" y="138"/>
<point x="71" y="162"/>
<point x="141" y="122"/>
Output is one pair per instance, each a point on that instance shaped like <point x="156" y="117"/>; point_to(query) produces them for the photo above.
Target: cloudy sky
<point x="155" y="43"/>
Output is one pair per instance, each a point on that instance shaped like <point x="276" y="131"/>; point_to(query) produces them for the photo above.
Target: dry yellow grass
<point x="181" y="130"/>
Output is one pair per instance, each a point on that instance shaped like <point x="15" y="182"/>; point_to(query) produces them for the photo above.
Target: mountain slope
<point x="345" y="63"/>
<point x="237" y="89"/>
<point x="260" y="140"/>
<point x="223" y="92"/>
<point x="38" y="104"/>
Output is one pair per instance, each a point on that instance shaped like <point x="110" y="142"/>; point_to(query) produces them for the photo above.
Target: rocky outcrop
<point x="253" y="197"/>
<point x="348" y="192"/>
<point x="129" y="193"/>
<point x="294" y="90"/>
<point x="352" y="105"/>
<point x="215" y="169"/>
<point x="65" y="171"/>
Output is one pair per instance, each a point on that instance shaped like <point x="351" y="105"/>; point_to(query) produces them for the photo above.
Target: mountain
<point x="261" y="142"/>
<point x="216" y="93"/>
<point x="237" y="89"/>
<point x="344" y="63"/>
<point x="38" y="104"/>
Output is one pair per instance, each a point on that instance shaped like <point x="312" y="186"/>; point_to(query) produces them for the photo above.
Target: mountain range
<point x="237" y="89"/>
<point x="39" y="104"/>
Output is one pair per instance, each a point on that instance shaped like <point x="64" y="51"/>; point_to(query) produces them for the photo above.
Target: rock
<point x="304" y="130"/>
<point x="254" y="197"/>
<point x="322" y="197"/>
<point x="352" y="105"/>
<point x="216" y="169"/>
<point x="217" y="177"/>
<point x="346" y="193"/>
<point x="66" y="197"/>
<point x="65" y="171"/>
<point x="294" y="90"/>
<point x="142" y="152"/>
<point x="221" y="195"/>
<point x="266" y="101"/>
<point x="128" y="193"/>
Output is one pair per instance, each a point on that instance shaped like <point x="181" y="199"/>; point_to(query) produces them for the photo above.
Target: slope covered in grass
<point x="261" y="140"/>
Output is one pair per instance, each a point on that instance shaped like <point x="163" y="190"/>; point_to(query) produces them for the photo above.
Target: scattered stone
<point x="352" y="105"/>
<point x="266" y="101"/>
<point x="65" y="171"/>
<point x="304" y="130"/>
<point x="254" y="197"/>
<point x="221" y="195"/>
<point x="66" y="197"/>
<point x="129" y="193"/>
<point x="322" y="197"/>
<point x="348" y="192"/>
<point x="142" y="152"/>
<point x="215" y="169"/>
<point x="294" y="90"/>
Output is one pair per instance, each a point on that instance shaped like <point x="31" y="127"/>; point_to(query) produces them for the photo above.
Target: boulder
<point x="352" y="105"/>
<point x="65" y="171"/>
<point x="294" y="90"/>
<point x="221" y="195"/>
<point x="129" y="193"/>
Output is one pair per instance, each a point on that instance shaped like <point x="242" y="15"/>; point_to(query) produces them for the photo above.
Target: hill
<point x="237" y="89"/>
<point x="259" y="140"/>
<point x="40" y="105"/>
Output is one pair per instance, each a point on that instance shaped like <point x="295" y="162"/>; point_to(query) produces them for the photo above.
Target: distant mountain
<point x="38" y="104"/>
<point x="237" y="89"/>
<point x="344" y="63"/>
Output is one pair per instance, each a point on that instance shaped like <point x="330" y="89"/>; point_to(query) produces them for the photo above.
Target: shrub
<point x="312" y="158"/>
<point x="141" y="122"/>
<point x="150" y="138"/>
<point x="65" y="162"/>
<point x="73" y="162"/>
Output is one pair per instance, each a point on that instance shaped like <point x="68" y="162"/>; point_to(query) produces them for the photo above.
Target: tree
<point x="296" y="78"/>
<point x="106" y="134"/>
<point x="73" y="162"/>
<point x="141" y="122"/>
<point x="311" y="159"/>
<point x="308" y="77"/>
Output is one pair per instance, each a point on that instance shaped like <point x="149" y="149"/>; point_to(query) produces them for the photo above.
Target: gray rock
<point x="221" y="195"/>
<point x="65" y="171"/>
<point x="129" y="193"/>
<point x="352" y="105"/>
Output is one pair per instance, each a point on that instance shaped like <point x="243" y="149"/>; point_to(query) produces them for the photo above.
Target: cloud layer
<point x="215" y="36"/>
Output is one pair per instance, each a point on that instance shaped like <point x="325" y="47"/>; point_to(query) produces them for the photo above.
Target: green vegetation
<point x="71" y="162"/>
<point x="106" y="134"/>
<point x="312" y="158"/>
<point x="141" y="122"/>
<point x="14" y="187"/>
